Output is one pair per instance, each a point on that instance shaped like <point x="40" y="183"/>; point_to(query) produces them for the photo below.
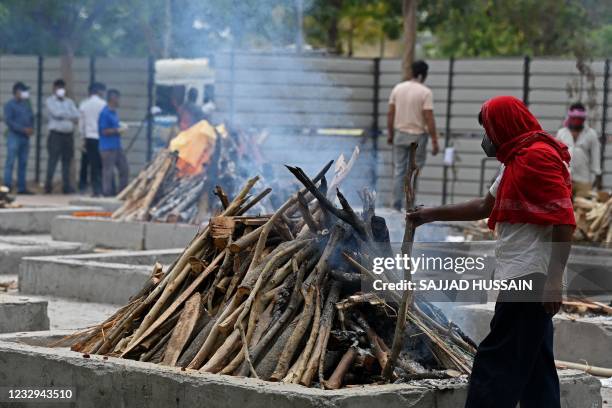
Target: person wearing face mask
<point x="585" y="149"/>
<point x="19" y="121"/>
<point x="410" y="119"/>
<point x="530" y="208"/>
<point x="63" y="117"/>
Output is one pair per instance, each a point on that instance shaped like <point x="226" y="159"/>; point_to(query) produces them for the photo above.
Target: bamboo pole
<point x="400" y="326"/>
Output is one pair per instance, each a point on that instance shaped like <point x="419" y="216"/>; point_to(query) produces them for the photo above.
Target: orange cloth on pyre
<point x="195" y="146"/>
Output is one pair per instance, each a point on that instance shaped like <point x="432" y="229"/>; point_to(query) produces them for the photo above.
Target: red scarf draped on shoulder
<point x="536" y="186"/>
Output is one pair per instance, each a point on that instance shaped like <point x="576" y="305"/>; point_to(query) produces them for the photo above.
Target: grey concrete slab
<point x="100" y="232"/>
<point x="106" y="203"/>
<point x="14" y="247"/>
<point x="34" y="220"/>
<point x="22" y="313"/>
<point x="106" y="278"/>
<point x="104" y="232"/>
<point x="163" y="235"/>
<point x="577" y="339"/>
<point x="117" y="382"/>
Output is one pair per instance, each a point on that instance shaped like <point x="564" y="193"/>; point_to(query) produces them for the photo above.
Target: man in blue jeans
<point x="19" y="120"/>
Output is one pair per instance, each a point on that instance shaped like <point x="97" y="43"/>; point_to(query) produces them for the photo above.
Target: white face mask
<point x="24" y="94"/>
<point x="60" y="92"/>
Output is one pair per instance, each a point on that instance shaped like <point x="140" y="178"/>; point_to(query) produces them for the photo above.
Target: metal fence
<point x="133" y="76"/>
<point x="307" y="102"/>
<point x="289" y="93"/>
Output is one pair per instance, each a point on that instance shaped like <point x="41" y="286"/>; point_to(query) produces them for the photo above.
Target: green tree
<point x="503" y="27"/>
<point x="333" y="24"/>
<point x="62" y="25"/>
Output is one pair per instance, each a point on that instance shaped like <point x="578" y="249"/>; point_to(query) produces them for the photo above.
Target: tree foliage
<point x="507" y="27"/>
<point x="192" y="28"/>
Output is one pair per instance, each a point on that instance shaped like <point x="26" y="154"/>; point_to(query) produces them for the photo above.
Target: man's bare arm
<point x="475" y="209"/>
<point x="561" y="246"/>
<point x="390" y="124"/>
<point x="430" y="122"/>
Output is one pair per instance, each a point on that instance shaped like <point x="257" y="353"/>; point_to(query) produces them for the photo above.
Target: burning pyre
<point x="278" y="297"/>
<point x="174" y="187"/>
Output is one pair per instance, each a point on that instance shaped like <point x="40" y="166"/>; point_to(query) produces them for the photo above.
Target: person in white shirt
<point x="63" y="117"/>
<point x="585" y="148"/>
<point x="90" y="109"/>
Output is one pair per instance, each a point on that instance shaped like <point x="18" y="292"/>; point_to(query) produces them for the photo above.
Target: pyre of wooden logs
<point x="162" y="193"/>
<point x="586" y="307"/>
<point x="593" y="219"/>
<point x="278" y="297"/>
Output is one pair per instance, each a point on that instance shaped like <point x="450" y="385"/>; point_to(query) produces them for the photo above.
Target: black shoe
<point x="25" y="192"/>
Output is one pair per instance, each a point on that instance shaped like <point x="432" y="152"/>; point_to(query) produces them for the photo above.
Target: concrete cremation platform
<point x="125" y="383"/>
<point x="105" y="232"/>
<point x="110" y="277"/>
<point x="105" y="203"/>
<point x="21" y="313"/>
<point x="34" y="220"/>
<point x="13" y="248"/>
<point x="577" y="339"/>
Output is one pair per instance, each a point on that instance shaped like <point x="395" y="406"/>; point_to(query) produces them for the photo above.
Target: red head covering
<point x="535" y="187"/>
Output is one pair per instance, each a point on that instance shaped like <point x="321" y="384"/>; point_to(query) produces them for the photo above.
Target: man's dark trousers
<point x="84" y="169"/>
<point x="95" y="165"/>
<point x="515" y="362"/>
<point x="59" y="146"/>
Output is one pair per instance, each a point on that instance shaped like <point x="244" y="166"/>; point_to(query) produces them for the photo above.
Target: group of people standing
<point x="529" y="206"/>
<point x="410" y="119"/>
<point x="96" y="120"/>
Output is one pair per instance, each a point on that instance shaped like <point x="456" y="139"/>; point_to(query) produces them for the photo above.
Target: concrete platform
<point x="13" y="248"/>
<point x="104" y="232"/>
<point x="577" y="339"/>
<point x="125" y="383"/>
<point x="105" y="277"/>
<point x="22" y="313"/>
<point x="106" y="203"/>
<point x="34" y="220"/>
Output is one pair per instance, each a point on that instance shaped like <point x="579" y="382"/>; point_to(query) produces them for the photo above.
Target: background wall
<point x="308" y="102"/>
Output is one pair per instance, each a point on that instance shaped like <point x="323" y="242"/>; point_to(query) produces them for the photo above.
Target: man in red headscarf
<point x="530" y="208"/>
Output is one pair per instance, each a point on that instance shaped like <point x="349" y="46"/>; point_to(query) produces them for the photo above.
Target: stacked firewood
<point x="586" y="307"/>
<point x="162" y="193"/>
<point x="279" y="297"/>
<point x="593" y="218"/>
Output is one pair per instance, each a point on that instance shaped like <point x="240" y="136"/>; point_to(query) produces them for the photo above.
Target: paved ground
<point x="44" y="199"/>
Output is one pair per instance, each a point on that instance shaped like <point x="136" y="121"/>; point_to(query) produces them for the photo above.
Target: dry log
<point x="398" y="336"/>
<point x="184" y="327"/>
<point x="593" y="370"/>
<point x="327" y="318"/>
<point x="297" y="370"/>
<point x="296" y="337"/>
<point x="335" y="380"/>
<point x="195" y="345"/>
